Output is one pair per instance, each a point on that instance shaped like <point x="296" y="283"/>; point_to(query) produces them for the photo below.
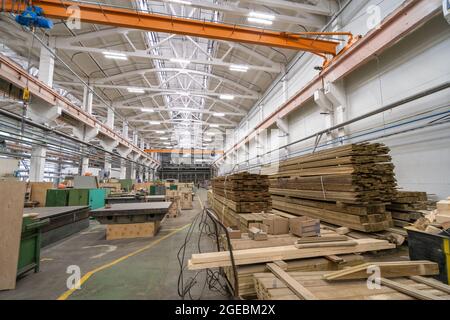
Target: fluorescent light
<point x="219" y="114"/>
<point x="226" y="97"/>
<point x="261" y="15"/>
<point x="260" y="21"/>
<point x="182" y="93"/>
<point x="188" y="3"/>
<point x="136" y="90"/>
<point x="159" y="131"/>
<point x="154" y="122"/>
<point x="115" y="55"/>
<point x="207" y="140"/>
<point x="214" y="125"/>
<point x="182" y="61"/>
<point x="147" y="110"/>
<point x="239" y="68"/>
<point x="163" y="138"/>
<point x="210" y="133"/>
<point x="167" y="143"/>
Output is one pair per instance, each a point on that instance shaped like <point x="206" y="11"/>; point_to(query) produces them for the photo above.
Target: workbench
<point x="64" y="221"/>
<point x="135" y="199"/>
<point x="123" y="213"/>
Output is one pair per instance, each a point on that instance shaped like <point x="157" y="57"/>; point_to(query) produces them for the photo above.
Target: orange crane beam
<point x="135" y="19"/>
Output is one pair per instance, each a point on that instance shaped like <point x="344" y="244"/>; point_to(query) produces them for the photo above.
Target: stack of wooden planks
<point x="346" y="186"/>
<point x="400" y="280"/>
<point x="240" y="194"/>
<point x="407" y="206"/>
<point x="288" y="252"/>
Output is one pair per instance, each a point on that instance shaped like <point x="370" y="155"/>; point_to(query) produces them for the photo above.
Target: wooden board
<point x="387" y="270"/>
<point x="269" y="287"/>
<point x="299" y="290"/>
<point x="39" y="192"/>
<point x="132" y="230"/>
<point x="250" y="256"/>
<point x="12" y="197"/>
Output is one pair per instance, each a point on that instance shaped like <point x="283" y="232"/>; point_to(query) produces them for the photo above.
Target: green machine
<point x="97" y="198"/>
<point x="30" y="245"/>
<point x="57" y="198"/>
<point x="126" y="184"/>
<point x="94" y="198"/>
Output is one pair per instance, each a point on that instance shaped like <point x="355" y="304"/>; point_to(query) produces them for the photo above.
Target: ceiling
<point x="172" y="89"/>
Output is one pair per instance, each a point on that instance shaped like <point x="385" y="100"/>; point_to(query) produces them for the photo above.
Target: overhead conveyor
<point x="96" y="13"/>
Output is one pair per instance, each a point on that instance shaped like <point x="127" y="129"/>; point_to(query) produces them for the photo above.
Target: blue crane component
<point x="33" y="16"/>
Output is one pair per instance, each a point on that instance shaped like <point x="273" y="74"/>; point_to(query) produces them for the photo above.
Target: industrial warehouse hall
<point x="225" y="150"/>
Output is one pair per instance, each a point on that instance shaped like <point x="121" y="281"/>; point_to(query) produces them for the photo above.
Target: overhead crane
<point x="135" y="19"/>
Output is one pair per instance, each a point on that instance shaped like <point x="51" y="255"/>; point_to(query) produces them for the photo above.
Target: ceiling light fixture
<point x="238" y="68"/>
<point x="163" y="138"/>
<point x="182" y="93"/>
<point x="159" y="131"/>
<point x="115" y="55"/>
<point x="154" y="122"/>
<point x="260" y="21"/>
<point x="135" y="90"/>
<point x="260" y="15"/>
<point x="188" y="3"/>
<point x="226" y="97"/>
<point x="218" y="114"/>
<point x="147" y="110"/>
<point x="178" y="60"/>
<point x="214" y="125"/>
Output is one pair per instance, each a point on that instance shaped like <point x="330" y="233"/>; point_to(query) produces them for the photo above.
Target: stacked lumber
<point x="289" y="252"/>
<point x="443" y="211"/>
<point x="346" y="186"/>
<point x="246" y="287"/>
<point x="407" y="206"/>
<point x="401" y="280"/>
<point x="240" y="194"/>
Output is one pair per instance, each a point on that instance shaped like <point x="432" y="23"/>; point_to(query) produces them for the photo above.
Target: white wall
<point x="418" y="62"/>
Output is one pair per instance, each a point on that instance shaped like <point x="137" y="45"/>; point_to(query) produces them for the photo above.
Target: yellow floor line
<point x="67" y="294"/>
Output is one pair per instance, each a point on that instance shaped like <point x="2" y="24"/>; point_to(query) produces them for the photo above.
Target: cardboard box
<point x="304" y="227"/>
<point x="276" y="224"/>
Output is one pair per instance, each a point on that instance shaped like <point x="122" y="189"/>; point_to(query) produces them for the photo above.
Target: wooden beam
<point x="432" y="283"/>
<point x="408" y="290"/>
<point x="299" y="290"/>
<point x="387" y="270"/>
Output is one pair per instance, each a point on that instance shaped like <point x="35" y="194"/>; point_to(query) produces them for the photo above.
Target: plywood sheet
<point x="132" y="230"/>
<point x="12" y="197"/>
<point x="39" y="192"/>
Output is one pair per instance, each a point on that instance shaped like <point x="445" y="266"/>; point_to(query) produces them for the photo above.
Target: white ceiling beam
<point x="194" y="110"/>
<point x="175" y="121"/>
<point x="145" y="55"/>
<point x="157" y="89"/>
<point x="314" y="22"/>
<point x="127" y="75"/>
<point x="290" y="5"/>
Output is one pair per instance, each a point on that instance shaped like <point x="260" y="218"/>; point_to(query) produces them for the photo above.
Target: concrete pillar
<point x="110" y="118"/>
<point x="125" y="130"/>
<point x="37" y="163"/>
<point x="107" y="166"/>
<point x="84" y="166"/>
<point x="46" y="70"/>
<point x="88" y="96"/>
<point x="47" y="63"/>
<point x="123" y="169"/>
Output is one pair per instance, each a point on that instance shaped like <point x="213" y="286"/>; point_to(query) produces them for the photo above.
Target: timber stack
<point x="347" y="186"/>
<point x="240" y="194"/>
<point x="407" y="207"/>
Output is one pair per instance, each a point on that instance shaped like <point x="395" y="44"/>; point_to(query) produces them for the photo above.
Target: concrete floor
<point x="119" y="269"/>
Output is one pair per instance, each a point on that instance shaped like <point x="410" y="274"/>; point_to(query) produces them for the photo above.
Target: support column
<point x="84" y="166"/>
<point x="88" y="97"/>
<point x="37" y="163"/>
<point x="110" y="118"/>
<point x="46" y="70"/>
<point x="47" y="63"/>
